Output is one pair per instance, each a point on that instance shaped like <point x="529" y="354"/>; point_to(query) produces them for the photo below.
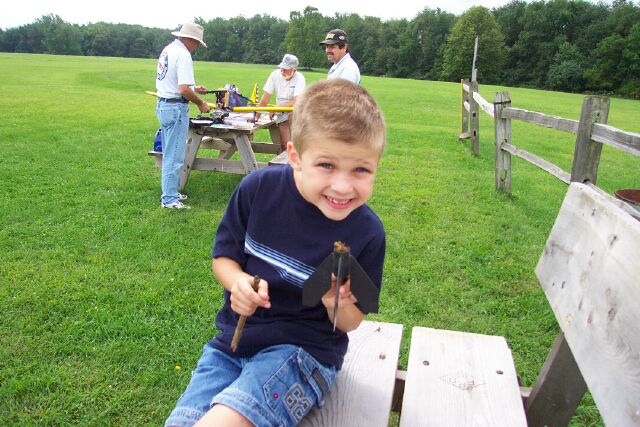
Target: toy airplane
<point x="247" y="109"/>
<point x="259" y="108"/>
<point x="343" y="266"/>
<point x="148" y="92"/>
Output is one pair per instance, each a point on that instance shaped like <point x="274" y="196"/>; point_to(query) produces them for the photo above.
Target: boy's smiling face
<point x="333" y="175"/>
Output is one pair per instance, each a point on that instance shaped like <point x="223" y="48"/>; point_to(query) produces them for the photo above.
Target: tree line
<point x="569" y="45"/>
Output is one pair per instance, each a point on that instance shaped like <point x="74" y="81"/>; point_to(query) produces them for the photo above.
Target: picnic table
<point x="589" y="273"/>
<point x="235" y="135"/>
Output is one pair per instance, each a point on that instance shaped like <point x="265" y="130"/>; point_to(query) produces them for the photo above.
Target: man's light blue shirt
<point x="346" y="69"/>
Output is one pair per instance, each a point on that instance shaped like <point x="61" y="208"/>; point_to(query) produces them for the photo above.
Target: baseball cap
<point x="288" y="62"/>
<point x="335" y="36"/>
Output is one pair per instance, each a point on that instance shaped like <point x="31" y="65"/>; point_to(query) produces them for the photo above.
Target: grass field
<point x="107" y="299"/>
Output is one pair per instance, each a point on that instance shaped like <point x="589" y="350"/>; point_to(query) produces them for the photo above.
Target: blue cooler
<point x="157" y="142"/>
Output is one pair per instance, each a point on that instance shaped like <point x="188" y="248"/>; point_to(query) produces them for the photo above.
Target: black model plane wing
<point x="343" y="265"/>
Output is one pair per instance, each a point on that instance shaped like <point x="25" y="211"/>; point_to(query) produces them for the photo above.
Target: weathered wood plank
<point x="157" y="155"/>
<point x="362" y="394"/>
<point x="586" y="155"/>
<point x="265" y="147"/>
<point x="274" y="133"/>
<point x="558" y="389"/>
<point x="539" y="162"/>
<point x="398" y="391"/>
<point x="209" y="143"/>
<point x="483" y="103"/>
<point x="502" y="136"/>
<point x="460" y="379"/>
<point x="620" y="139"/>
<point x="554" y="122"/>
<point x="280" y="159"/>
<point x="246" y="153"/>
<point x="191" y="150"/>
<point x="591" y="276"/>
<point x="218" y="165"/>
<point x="464" y="108"/>
<point x="228" y="153"/>
<point x="474" y="120"/>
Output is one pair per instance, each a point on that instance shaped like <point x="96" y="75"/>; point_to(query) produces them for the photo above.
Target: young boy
<point x="280" y="224"/>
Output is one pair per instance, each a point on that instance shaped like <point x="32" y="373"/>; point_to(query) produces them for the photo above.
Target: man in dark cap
<point x="336" y="44"/>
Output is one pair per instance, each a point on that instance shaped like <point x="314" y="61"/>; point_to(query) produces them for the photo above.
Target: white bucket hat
<point x="191" y="31"/>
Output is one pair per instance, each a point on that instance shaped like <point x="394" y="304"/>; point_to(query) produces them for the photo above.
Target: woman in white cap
<point x="287" y="83"/>
<point x="176" y="86"/>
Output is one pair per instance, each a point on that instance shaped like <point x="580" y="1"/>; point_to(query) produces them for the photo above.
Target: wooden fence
<point x="591" y="133"/>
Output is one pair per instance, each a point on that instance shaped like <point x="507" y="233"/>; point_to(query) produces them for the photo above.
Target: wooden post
<point x="474" y="70"/>
<point x="586" y="156"/>
<point x="474" y="120"/>
<point x="464" y="115"/>
<point x="502" y="135"/>
<point x="558" y="389"/>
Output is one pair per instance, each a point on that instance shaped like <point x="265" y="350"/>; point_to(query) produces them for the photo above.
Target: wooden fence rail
<point x="591" y="133"/>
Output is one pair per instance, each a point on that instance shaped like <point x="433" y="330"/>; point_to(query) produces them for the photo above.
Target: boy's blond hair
<point x="337" y="109"/>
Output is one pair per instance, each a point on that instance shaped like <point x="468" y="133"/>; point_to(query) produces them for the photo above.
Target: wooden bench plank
<point x="363" y="390"/>
<point x="591" y="276"/>
<point x="157" y="155"/>
<point x="460" y="379"/>
<point x="280" y="159"/>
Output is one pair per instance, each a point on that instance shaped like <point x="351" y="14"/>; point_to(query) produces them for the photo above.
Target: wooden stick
<point x="241" y="321"/>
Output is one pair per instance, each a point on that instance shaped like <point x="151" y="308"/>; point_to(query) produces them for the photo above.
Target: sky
<point x="170" y="14"/>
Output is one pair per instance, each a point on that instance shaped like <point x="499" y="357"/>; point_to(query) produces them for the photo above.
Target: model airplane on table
<point x="227" y="99"/>
<point x="343" y="266"/>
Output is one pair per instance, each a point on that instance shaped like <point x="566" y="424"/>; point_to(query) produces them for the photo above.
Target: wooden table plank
<point x="280" y="159"/>
<point x="363" y="390"/>
<point x="591" y="276"/>
<point x="460" y="379"/>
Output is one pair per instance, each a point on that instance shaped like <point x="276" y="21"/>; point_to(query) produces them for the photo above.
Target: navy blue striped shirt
<point x="270" y="230"/>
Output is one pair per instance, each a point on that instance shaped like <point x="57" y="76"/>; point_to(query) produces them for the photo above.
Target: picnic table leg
<point x="275" y="134"/>
<point x="226" y="154"/>
<point x="190" y="152"/>
<point x="247" y="156"/>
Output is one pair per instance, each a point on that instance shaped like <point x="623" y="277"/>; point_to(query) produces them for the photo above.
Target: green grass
<point x="103" y="294"/>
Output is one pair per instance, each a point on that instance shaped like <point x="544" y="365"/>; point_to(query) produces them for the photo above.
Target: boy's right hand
<point x="244" y="300"/>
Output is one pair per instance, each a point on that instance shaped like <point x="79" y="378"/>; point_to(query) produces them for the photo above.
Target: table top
<point x="235" y="122"/>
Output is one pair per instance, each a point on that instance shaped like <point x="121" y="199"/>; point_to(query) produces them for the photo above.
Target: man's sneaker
<point x="182" y="196"/>
<point x="174" y="205"/>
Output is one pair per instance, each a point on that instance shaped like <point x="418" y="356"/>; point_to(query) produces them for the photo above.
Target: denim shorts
<point x="276" y="387"/>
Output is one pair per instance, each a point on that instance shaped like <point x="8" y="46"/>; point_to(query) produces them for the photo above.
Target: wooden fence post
<point x="502" y="135"/>
<point x="474" y="125"/>
<point x="586" y="156"/>
<point x="464" y="115"/>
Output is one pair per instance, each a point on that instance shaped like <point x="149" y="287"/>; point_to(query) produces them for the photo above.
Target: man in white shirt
<point x="336" y="44"/>
<point x="287" y="82"/>
<point x="176" y="86"/>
